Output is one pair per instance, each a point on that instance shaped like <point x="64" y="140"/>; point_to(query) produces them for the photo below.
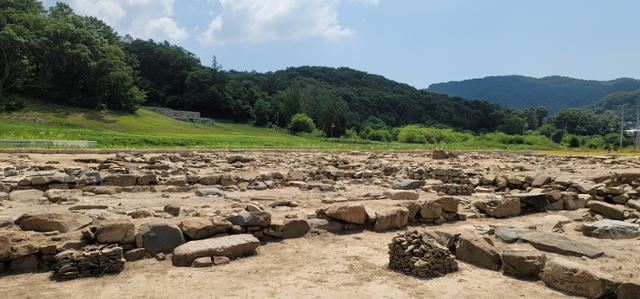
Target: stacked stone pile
<point x="90" y="261"/>
<point x="454" y="189"/>
<point x="446" y="175"/>
<point x="420" y="255"/>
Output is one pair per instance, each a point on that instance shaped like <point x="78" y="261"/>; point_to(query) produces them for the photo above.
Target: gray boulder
<point x="406" y="184"/>
<point x="159" y="237"/>
<point x="245" y="218"/>
<point x="611" y="229"/>
<point x="509" y="234"/>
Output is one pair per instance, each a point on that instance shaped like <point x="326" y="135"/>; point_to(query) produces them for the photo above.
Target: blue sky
<point x="418" y="42"/>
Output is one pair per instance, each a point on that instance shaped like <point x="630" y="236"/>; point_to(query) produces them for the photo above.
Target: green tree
<point x="541" y="114"/>
<point x="580" y="122"/>
<point x="301" y="123"/>
<point x="20" y="21"/>
<point x="514" y="124"/>
<point x="262" y="112"/>
<point x="292" y="100"/>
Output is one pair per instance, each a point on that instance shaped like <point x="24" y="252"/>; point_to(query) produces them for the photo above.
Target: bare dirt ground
<point x="321" y="264"/>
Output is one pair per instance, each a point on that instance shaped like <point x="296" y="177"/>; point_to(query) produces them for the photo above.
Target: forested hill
<point x="58" y="56"/>
<point x="364" y="95"/>
<point x="553" y="92"/>
<point x="626" y="102"/>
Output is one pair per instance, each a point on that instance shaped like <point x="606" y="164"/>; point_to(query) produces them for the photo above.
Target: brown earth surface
<point x="321" y="264"/>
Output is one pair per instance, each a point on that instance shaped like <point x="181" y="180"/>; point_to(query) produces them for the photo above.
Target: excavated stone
<point x="233" y="246"/>
<point x="557" y="243"/>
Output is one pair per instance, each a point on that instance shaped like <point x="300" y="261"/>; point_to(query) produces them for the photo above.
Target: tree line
<point x="57" y="55"/>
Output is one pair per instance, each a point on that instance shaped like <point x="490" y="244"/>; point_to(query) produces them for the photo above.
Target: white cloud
<point x="372" y="2"/>
<point x="138" y="18"/>
<point x="255" y="21"/>
<point x="163" y="26"/>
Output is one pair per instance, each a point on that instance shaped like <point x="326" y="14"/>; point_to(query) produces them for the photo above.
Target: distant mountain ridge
<point x="553" y="92"/>
<point x="625" y="102"/>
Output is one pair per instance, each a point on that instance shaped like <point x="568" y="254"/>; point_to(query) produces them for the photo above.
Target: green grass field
<point x="146" y="129"/>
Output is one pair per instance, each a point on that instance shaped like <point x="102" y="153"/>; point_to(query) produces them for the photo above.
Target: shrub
<point x="419" y="134"/>
<point x="351" y="134"/>
<point x="376" y="134"/>
<point x="571" y="140"/>
<point x="411" y="134"/>
<point x="593" y="142"/>
<point x="11" y="104"/>
<point x="301" y="123"/>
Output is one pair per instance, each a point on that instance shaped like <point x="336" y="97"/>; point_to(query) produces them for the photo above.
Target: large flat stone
<point x="557" y="243"/>
<point x="607" y="210"/>
<point x="48" y="222"/>
<point x="576" y="279"/>
<point x="611" y="229"/>
<point x="406" y="184"/>
<point x="230" y="246"/>
<point x="355" y="214"/>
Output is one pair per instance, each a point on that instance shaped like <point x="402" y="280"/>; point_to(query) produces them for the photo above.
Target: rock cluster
<point x="454" y="189"/>
<point x="444" y="175"/>
<point x="421" y="255"/>
<point x="90" y="261"/>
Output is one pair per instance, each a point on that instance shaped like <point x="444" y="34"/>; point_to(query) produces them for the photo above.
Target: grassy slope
<point x="147" y="129"/>
<point x="142" y="129"/>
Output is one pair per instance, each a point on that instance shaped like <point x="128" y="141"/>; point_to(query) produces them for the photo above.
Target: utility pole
<point x="637" y="131"/>
<point x="621" y="126"/>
